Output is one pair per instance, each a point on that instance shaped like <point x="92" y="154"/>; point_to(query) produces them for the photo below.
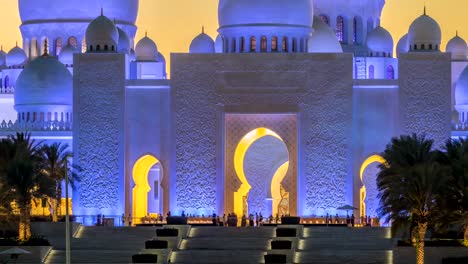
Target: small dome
<point x="457" y="46"/>
<point x="43" y="82"/>
<point x="298" y="13"/>
<point x="66" y="54"/>
<point x="425" y="33"/>
<point x="461" y="90"/>
<point x="403" y="45"/>
<point x="146" y="50"/>
<point x="124" y="41"/>
<point x="219" y="44"/>
<point x="202" y="44"/>
<point x="16" y="57"/>
<point x="101" y="34"/>
<point x="161" y="58"/>
<point x="323" y="39"/>
<point x="380" y="42"/>
<point x="2" y="57"/>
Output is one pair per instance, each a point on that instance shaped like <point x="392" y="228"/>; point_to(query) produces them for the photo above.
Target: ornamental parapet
<point x="36" y="126"/>
<point x="7" y="90"/>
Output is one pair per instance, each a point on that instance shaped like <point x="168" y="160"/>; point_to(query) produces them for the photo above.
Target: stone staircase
<point x="230" y="245"/>
<point x="104" y="245"/>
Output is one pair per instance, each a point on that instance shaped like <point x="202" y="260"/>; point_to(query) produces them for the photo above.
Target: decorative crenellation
<point x="36" y="126"/>
<point x="7" y="90"/>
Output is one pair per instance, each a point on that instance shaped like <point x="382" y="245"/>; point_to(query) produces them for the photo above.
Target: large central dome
<point x="124" y="11"/>
<point x="261" y="12"/>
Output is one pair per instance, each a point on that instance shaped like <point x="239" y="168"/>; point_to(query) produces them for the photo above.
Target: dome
<point x="457" y="46"/>
<point x="425" y="33"/>
<point x="271" y="12"/>
<point x="380" y="41"/>
<point x="43" y="82"/>
<point x="16" y="57"/>
<point x="100" y="33"/>
<point x="146" y="50"/>
<point x="403" y="45"/>
<point x="323" y="39"/>
<point x="461" y="90"/>
<point x="202" y="44"/>
<point x="219" y="44"/>
<point x="161" y="58"/>
<point x="66" y="54"/>
<point x="124" y="41"/>
<point x="123" y="11"/>
<point x="2" y="57"/>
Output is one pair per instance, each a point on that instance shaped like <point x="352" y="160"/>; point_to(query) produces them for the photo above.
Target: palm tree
<point x="21" y="177"/>
<point x="410" y="183"/>
<point x="456" y="157"/>
<point x="55" y="158"/>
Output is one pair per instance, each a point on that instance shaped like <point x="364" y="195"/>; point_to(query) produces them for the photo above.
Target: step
<point x="218" y="256"/>
<point x="91" y="256"/>
<point x="215" y="231"/>
<point x="339" y="256"/>
<point x="225" y="243"/>
<point x="311" y="244"/>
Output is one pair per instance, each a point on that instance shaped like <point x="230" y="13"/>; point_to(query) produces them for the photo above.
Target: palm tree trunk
<point x="24" y="229"/>
<point x="465" y="235"/>
<point x="54" y="209"/>
<point x="59" y="199"/>
<point x="421" y="235"/>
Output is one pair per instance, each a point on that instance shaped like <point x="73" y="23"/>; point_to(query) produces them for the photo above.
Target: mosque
<point x="284" y="113"/>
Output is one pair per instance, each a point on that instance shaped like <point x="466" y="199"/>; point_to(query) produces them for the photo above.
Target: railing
<point x="36" y="126"/>
<point x="7" y="90"/>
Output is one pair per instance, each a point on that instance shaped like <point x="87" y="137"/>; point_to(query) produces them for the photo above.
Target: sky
<point x="172" y="24"/>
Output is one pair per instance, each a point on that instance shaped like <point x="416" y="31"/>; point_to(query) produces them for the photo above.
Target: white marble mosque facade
<point x="334" y="104"/>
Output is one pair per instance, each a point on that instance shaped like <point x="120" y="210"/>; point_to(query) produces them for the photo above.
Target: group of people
<point x="350" y="220"/>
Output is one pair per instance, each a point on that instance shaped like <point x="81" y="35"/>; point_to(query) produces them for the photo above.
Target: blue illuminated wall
<point x="98" y="133"/>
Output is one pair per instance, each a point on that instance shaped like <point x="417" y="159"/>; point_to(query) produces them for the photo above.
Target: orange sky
<point x="174" y="23"/>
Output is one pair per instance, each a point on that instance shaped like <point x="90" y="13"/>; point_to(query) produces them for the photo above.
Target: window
<point x="274" y="43"/>
<point x="415" y="47"/>
<point x="106" y="48"/>
<point x="423" y="47"/>
<point x="156" y="190"/>
<point x="371" y="72"/>
<point x="242" y="44"/>
<point x="98" y="48"/>
<point x="430" y="46"/>
<point x="325" y="19"/>
<point x="285" y="44"/>
<point x="226" y="45"/>
<point x="7" y="81"/>
<point x="72" y="41"/>
<point x="355" y="30"/>
<point x="58" y="46"/>
<point x="340" y="28"/>
<point x="90" y="47"/>
<point x="301" y="49"/>
<point x="253" y="44"/>
<point x="233" y="45"/>
<point x="436" y="47"/>
<point x="263" y="44"/>
<point x="390" y="72"/>
<point x="294" y="45"/>
<point x="370" y="25"/>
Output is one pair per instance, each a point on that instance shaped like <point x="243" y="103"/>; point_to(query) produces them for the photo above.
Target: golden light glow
<point x="362" y="192"/>
<point x="239" y="156"/>
<point x="276" y="186"/>
<point x="140" y="191"/>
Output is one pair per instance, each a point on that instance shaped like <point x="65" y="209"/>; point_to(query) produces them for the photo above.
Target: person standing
<point x="352" y="220"/>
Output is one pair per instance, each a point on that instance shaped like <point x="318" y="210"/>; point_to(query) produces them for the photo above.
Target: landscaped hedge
<point x="167" y="232"/>
<point x="462" y="260"/>
<point x="145" y="258"/>
<point x="275" y="258"/>
<point x="156" y="244"/>
<point x="434" y="243"/>
<point x="281" y="244"/>
<point x="285" y="232"/>
<point x="32" y="242"/>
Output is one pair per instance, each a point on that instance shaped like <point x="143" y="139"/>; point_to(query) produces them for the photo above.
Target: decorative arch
<point x="239" y="156"/>
<point x="340" y="28"/>
<point x="371" y="72"/>
<point x="390" y="72"/>
<point x="140" y="191"/>
<point x="362" y="193"/>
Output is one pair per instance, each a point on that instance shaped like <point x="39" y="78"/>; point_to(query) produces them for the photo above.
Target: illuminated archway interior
<point x="140" y="191"/>
<point x="372" y="160"/>
<point x="247" y="170"/>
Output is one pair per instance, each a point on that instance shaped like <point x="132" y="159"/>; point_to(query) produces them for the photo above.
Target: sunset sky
<point x="174" y="23"/>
